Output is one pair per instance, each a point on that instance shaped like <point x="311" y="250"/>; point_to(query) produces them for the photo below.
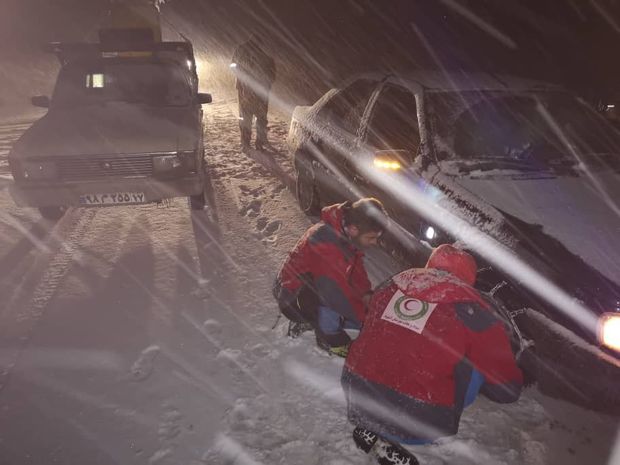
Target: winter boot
<point x="364" y="439"/>
<point x="296" y="328"/>
<point x="340" y="351"/>
<point x="392" y="454"/>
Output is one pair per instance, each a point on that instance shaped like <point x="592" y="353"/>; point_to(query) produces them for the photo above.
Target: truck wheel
<point x="307" y="195"/>
<point x="52" y="213"/>
<point x="198" y="201"/>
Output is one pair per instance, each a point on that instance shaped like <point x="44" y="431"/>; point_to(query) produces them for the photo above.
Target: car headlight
<point x="37" y="170"/>
<point x="609" y="330"/>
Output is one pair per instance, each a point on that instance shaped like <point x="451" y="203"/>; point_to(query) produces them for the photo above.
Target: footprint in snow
<point x="252" y="209"/>
<point x="212" y="327"/>
<point x="272" y="228"/>
<point x="261" y="223"/>
<point x="269" y="232"/>
<point x="170" y="424"/>
<point x="143" y="367"/>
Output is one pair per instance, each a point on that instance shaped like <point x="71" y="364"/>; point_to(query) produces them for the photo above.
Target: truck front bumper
<point x="26" y="194"/>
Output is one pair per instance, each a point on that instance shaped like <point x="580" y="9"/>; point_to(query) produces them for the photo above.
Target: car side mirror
<point x="42" y="101"/>
<point x="204" y="98"/>
<point x="392" y="160"/>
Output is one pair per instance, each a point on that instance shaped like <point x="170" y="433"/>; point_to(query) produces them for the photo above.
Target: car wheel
<point x="52" y="213"/>
<point x="504" y="300"/>
<point x="306" y="192"/>
<point x="198" y="201"/>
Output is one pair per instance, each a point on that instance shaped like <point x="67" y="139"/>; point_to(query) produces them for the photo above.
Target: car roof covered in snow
<point x="461" y="81"/>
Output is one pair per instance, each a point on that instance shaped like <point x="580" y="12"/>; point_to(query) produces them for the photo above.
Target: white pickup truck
<point x="124" y="126"/>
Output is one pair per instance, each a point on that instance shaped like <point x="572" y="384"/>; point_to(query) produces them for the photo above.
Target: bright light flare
<point x="430" y="233"/>
<point x="387" y="165"/>
<point x="609" y="330"/>
<point x="233" y="65"/>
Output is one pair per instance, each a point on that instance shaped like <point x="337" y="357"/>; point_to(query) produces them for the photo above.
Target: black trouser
<point x="304" y="309"/>
<point x="251" y="105"/>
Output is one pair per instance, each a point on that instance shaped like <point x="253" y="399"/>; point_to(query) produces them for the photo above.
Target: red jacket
<point x="423" y="375"/>
<point x="325" y="259"/>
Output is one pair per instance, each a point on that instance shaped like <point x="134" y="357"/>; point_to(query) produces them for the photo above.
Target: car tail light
<point x="609" y="330"/>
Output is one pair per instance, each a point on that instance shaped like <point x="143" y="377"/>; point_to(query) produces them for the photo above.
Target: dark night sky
<point x="573" y="41"/>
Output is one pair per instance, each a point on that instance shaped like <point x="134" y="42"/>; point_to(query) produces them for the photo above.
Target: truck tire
<point x="198" y="201"/>
<point x="52" y="213"/>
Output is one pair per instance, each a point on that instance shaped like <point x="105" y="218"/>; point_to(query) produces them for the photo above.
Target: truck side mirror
<point x="42" y="101"/>
<point x="204" y="98"/>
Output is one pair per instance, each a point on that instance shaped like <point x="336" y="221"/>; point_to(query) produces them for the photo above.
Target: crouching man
<point x="323" y="282"/>
<point x="429" y="345"/>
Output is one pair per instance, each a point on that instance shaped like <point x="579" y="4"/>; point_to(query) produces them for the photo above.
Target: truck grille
<point x="104" y="166"/>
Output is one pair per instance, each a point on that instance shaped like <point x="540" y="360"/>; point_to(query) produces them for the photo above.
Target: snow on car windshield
<point x="146" y="82"/>
<point x="548" y="131"/>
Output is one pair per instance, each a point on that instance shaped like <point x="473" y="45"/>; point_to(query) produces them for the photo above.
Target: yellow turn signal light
<point x="387" y="165"/>
<point x="609" y="330"/>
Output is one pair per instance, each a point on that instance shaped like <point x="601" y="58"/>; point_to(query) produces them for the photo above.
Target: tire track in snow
<point x="55" y="271"/>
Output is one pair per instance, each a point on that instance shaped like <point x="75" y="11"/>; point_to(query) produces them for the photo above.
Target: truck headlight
<point x="38" y="171"/>
<point x="164" y="163"/>
<point x="609" y="330"/>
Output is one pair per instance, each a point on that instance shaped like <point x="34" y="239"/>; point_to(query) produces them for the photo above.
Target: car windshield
<point x="155" y="83"/>
<point x="525" y="132"/>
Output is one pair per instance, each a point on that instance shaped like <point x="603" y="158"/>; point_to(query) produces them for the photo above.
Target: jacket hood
<point x="455" y="261"/>
<point x="436" y="286"/>
<point x="333" y="216"/>
<point x="113" y="128"/>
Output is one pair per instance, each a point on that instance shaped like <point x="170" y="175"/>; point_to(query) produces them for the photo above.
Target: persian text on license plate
<point x="117" y="198"/>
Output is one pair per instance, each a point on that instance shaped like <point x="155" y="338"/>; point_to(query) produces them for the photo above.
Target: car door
<point x="341" y="117"/>
<point x="391" y="127"/>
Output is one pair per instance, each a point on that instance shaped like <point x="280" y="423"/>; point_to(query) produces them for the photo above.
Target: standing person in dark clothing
<point x="255" y="72"/>
<point x="323" y="281"/>
<point x="430" y="343"/>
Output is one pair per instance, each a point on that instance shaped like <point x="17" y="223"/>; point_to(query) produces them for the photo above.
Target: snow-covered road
<point x="144" y="335"/>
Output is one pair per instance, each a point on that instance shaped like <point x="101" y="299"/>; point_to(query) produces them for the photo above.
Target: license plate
<point x="117" y="198"/>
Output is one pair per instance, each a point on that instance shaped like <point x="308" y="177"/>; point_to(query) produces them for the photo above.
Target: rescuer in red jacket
<point x="323" y="281"/>
<point x="429" y="344"/>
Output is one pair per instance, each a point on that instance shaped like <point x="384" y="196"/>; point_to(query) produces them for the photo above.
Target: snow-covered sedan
<point x="523" y="172"/>
<point x="124" y="127"/>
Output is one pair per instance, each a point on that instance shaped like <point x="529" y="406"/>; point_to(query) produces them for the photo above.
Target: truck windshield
<point x="143" y="82"/>
<point x="545" y="130"/>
